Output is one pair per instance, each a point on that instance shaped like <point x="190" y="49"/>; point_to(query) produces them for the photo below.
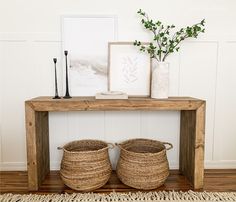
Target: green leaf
<point x="158" y="23"/>
<point x="202" y="22"/>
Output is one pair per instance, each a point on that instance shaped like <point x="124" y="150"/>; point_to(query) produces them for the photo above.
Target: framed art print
<point x="86" y="38"/>
<point x="129" y="69"/>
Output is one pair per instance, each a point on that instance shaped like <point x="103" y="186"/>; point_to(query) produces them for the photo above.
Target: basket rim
<point x="83" y="152"/>
<point x="146" y="153"/>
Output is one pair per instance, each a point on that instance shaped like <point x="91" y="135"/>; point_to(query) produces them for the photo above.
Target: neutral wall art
<point x="129" y="70"/>
<point x="86" y="39"/>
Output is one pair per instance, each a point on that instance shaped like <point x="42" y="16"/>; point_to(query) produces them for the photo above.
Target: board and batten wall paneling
<point x="14" y="83"/>
<point x="59" y="136"/>
<point x="29" y="39"/>
<point x="45" y="48"/>
<point x="120" y="126"/>
<point x="113" y="127"/>
<point x="225" y="122"/>
<point x="1" y="90"/>
<point x="163" y="126"/>
<point x="42" y="60"/>
<point x="82" y="125"/>
<point x="198" y="66"/>
<point x="25" y="72"/>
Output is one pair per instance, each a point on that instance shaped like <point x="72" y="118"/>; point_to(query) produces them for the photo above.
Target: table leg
<point x="192" y="135"/>
<point x="37" y="146"/>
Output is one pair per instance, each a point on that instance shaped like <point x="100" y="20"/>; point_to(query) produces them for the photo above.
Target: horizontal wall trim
<point x="31" y="36"/>
<point x="47" y="41"/>
<point x="201" y="41"/>
<point x="32" y="41"/>
<point x="56" y="37"/>
<point x="21" y="166"/>
<point x="60" y="41"/>
<point x="12" y="40"/>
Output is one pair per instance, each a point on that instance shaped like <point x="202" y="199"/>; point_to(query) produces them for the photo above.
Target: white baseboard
<point x="221" y="164"/>
<point x="55" y="165"/>
<point x="13" y="166"/>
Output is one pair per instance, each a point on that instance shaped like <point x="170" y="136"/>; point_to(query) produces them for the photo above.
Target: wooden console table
<point x="192" y="129"/>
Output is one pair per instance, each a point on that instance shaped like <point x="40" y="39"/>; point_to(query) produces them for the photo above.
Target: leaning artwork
<point x="88" y="49"/>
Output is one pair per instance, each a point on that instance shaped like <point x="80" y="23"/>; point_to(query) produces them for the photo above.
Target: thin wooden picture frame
<point x="130" y="65"/>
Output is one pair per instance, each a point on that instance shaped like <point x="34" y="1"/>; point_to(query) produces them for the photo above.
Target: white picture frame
<point x="129" y="69"/>
<point x="86" y="38"/>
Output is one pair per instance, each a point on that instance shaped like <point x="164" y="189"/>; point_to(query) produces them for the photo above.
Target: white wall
<point x="30" y="37"/>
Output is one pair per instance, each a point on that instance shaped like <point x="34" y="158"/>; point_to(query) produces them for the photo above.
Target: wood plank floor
<point x="215" y="180"/>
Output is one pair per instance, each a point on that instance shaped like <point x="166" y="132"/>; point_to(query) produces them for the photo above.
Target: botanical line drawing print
<point x="130" y="69"/>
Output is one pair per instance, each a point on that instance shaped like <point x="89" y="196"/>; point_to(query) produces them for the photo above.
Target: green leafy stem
<point x="165" y="41"/>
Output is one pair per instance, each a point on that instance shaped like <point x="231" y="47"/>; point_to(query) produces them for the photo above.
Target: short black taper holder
<point x="56" y="89"/>
<point x="67" y="95"/>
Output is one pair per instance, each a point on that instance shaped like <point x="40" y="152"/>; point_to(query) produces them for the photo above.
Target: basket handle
<point x="110" y="145"/>
<point x="167" y="143"/>
<point x="117" y="145"/>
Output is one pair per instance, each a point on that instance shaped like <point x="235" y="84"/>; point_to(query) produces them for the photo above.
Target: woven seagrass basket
<point x="143" y="163"/>
<point x="85" y="165"/>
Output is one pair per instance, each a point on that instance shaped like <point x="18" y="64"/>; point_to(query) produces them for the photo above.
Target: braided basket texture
<point x="85" y="165"/>
<point x="143" y="163"/>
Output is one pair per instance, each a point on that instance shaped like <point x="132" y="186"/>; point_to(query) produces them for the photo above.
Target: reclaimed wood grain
<point x="199" y="146"/>
<point x="187" y="139"/>
<point x="191" y="134"/>
<point x="131" y="104"/>
<point x="32" y="160"/>
<point x="37" y="138"/>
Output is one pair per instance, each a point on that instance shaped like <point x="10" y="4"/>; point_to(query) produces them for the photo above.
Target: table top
<point x="46" y="103"/>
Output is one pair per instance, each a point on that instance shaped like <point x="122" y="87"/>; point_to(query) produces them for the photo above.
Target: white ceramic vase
<point x="160" y="80"/>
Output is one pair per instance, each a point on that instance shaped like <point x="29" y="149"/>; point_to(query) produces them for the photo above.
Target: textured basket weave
<point x="143" y="163"/>
<point x="85" y="165"/>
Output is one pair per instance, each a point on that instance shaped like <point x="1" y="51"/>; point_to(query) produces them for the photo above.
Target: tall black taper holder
<point x="56" y="90"/>
<point x="67" y="96"/>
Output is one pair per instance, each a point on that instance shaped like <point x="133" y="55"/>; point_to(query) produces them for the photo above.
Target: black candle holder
<point x="67" y="95"/>
<point x="56" y="89"/>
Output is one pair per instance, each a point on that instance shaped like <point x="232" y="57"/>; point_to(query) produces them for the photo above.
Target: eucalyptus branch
<point x="164" y="42"/>
<point x="148" y="24"/>
<point x="168" y="52"/>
